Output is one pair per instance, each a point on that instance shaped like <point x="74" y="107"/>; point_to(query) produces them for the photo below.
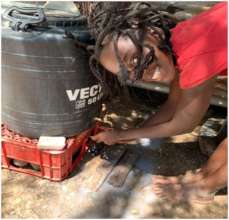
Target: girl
<point x="135" y="42"/>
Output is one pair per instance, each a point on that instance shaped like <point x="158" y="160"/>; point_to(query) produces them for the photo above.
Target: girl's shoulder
<point x="200" y="46"/>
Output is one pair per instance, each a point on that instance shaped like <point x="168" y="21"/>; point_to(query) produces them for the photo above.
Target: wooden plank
<point x="121" y="171"/>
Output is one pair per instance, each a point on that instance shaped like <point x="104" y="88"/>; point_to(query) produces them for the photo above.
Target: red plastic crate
<point x="54" y="165"/>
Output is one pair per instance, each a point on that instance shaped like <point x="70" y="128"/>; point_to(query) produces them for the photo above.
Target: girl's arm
<point x="192" y="105"/>
<point x="167" y="109"/>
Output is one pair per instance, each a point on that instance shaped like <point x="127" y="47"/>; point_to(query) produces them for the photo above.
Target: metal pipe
<point x="158" y="87"/>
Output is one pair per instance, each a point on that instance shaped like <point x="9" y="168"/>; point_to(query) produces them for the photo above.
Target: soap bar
<point x="51" y="143"/>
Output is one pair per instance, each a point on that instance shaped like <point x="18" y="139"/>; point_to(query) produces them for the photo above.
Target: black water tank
<point x="47" y="85"/>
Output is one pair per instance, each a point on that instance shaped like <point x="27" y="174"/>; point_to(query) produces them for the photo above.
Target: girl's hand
<point x="108" y="137"/>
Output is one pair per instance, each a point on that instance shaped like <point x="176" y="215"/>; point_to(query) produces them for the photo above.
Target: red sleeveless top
<point x="200" y="46"/>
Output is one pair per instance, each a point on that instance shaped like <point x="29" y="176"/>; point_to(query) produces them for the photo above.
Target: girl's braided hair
<point x="115" y="19"/>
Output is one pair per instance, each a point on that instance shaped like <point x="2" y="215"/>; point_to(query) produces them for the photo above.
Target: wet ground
<point x="25" y="196"/>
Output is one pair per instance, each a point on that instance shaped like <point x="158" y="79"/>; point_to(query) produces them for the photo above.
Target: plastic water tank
<point x="47" y="85"/>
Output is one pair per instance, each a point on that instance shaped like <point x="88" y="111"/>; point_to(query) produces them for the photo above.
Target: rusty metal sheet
<point x="122" y="169"/>
<point x="98" y="169"/>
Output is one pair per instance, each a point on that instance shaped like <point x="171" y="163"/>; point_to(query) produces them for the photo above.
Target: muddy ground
<point x="25" y="196"/>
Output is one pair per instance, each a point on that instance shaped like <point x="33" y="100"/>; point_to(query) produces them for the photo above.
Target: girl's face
<point x="161" y="69"/>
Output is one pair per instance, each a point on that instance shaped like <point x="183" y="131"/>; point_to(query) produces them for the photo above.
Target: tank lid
<point x="68" y="8"/>
<point x="48" y="15"/>
<point x="59" y="8"/>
